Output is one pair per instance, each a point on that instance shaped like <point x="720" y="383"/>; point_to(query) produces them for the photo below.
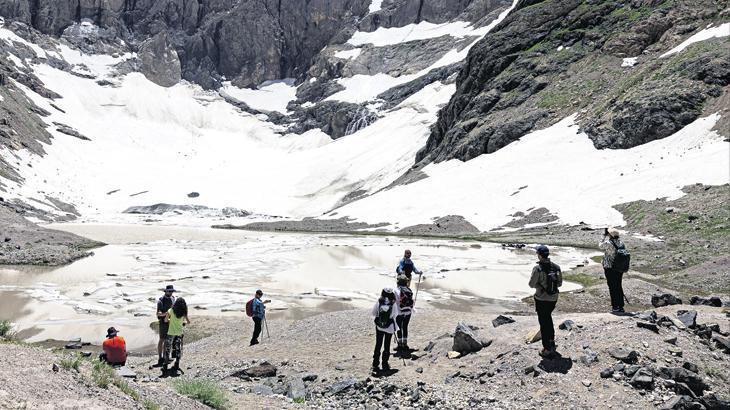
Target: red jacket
<point x="115" y="349"/>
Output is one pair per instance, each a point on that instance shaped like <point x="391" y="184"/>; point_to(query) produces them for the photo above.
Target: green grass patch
<point x="597" y="258"/>
<point x="299" y="400"/>
<point x="204" y="391"/>
<point x="125" y="388"/>
<point x="150" y="405"/>
<point x="102" y="374"/>
<point x="716" y="374"/>
<point x="71" y="362"/>
<point x="550" y="99"/>
<point x="631" y="14"/>
<point x="583" y="279"/>
<point x="5" y="328"/>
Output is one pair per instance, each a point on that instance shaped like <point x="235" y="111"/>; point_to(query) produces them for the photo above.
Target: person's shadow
<point x="556" y="364"/>
<point x="385" y="373"/>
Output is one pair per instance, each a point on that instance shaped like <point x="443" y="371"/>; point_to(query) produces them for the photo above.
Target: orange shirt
<point x="115" y="349"/>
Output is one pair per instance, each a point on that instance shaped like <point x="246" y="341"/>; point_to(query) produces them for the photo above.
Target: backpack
<point x="552" y="279"/>
<point x="249" y="308"/>
<point x="407" y="267"/>
<point x="622" y="259"/>
<point x="406" y="297"/>
<point x="383" y="319"/>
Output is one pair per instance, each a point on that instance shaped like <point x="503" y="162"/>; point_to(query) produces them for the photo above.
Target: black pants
<point x="614" y="279"/>
<point x="381" y="337"/>
<point x="256" y="331"/>
<point x="103" y="358"/>
<point x="402" y="335"/>
<point x="544" y="311"/>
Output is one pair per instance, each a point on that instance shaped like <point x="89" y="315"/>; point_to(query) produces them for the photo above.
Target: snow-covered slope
<point x="120" y="140"/>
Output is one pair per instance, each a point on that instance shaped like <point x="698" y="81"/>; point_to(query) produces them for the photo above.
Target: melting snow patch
<point x="421" y="31"/>
<point x="349" y="54"/>
<point x="706" y="34"/>
<point x="459" y="188"/>
<point x="270" y="96"/>
<point x="629" y="62"/>
<point x="375" y="5"/>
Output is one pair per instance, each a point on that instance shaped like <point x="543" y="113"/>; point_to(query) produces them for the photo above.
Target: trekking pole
<point x="626" y="299"/>
<point x="418" y="285"/>
<point x="266" y="324"/>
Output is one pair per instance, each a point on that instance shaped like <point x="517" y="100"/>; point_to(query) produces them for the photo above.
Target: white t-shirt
<point x="393" y="313"/>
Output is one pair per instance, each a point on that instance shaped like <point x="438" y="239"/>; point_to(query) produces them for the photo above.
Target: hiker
<point x="546" y="279"/>
<point x="385" y="312"/>
<point x="164" y="303"/>
<point x="407" y="267"/>
<point x="610" y="245"/>
<point x="404" y="300"/>
<point x="256" y="308"/>
<point x="176" y="318"/>
<point x="115" y="349"/>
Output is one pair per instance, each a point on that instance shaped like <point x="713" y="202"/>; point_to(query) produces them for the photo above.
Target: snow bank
<point x="270" y="96"/>
<point x="722" y="30"/>
<point x="486" y="190"/>
<point x="349" y="54"/>
<point x="375" y="5"/>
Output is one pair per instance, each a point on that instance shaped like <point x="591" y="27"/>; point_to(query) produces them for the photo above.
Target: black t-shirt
<point x="164" y="304"/>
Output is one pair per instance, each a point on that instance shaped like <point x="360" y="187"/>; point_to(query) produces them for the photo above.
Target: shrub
<point x="102" y="374"/>
<point x="5" y="328"/>
<point x="204" y="391"/>
<point x="71" y="362"/>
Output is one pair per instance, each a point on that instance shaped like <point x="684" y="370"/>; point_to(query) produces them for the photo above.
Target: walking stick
<point x="266" y="324"/>
<point x="418" y="285"/>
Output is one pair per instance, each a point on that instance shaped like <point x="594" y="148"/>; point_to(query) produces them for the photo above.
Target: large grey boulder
<point x="681" y="375"/>
<point x="295" y="388"/>
<point x="688" y="318"/>
<point x="466" y="340"/>
<point x="159" y="61"/>
<point x="665" y="299"/>
<point x="623" y="354"/>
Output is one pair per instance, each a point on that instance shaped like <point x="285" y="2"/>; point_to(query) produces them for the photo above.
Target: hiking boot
<point x="160" y="362"/>
<point x="254" y="342"/>
<point x="545" y="352"/>
<point x="621" y="310"/>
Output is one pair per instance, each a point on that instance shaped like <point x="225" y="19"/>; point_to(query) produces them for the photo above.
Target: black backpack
<point x="383" y="319"/>
<point x="622" y="259"/>
<point x="406" y="297"/>
<point x="552" y="279"/>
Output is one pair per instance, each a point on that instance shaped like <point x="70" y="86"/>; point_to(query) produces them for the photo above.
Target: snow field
<point x="722" y="30"/>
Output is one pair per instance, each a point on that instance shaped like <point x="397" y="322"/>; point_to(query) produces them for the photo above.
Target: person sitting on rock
<point x="385" y="313"/>
<point x="407" y="267"/>
<point x="404" y="300"/>
<point x="614" y="277"/>
<point x="177" y="318"/>
<point x="115" y="349"/>
<point x="546" y="279"/>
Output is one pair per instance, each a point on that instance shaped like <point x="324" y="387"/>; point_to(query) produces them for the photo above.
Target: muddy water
<point x="217" y="271"/>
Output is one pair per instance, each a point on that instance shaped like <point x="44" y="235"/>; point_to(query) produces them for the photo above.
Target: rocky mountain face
<point x="549" y="59"/>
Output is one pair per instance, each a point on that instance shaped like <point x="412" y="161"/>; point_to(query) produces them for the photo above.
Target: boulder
<point x="262" y="390"/>
<point x="711" y="402"/>
<point x="681" y="375"/>
<point x="721" y="342"/>
<point x="647" y="316"/>
<point x="589" y="357"/>
<point x="678" y="403"/>
<point x="263" y="369"/>
<point x="665" y="299"/>
<point x="643" y="379"/>
<point x="646" y="325"/>
<point x="159" y="61"/>
<point x="606" y="373"/>
<point x="453" y="355"/>
<point x="711" y="301"/>
<point x="623" y="354"/>
<point x="342" y="386"/>
<point x="502" y="320"/>
<point x="295" y="388"/>
<point x="691" y="367"/>
<point x="567" y="325"/>
<point x="466" y="340"/>
<point x="688" y="318"/>
<point x="671" y="340"/>
<point x="309" y="377"/>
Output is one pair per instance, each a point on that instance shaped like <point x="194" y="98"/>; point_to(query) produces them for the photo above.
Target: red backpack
<point x="249" y="308"/>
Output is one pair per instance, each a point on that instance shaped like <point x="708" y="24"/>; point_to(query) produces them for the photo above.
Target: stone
<point x="533" y="336"/>
<point x="677" y="403"/>
<point x="567" y="325"/>
<point x="643" y="379"/>
<point x="589" y="357"/>
<point x="193" y="195"/>
<point x="691" y="367"/>
<point x="646" y="325"/>
<point x="606" y="373"/>
<point x="262" y="390"/>
<point x="309" y="377"/>
<point x="721" y="342"/>
<point x="671" y="340"/>
<point x="54" y="367"/>
<point x="295" y="388"/>
<point x="712" y="402"/>
<point x="263" y="369"/>
<point x="681" y="375"/>
<point x="453" y="354"/>
<point x="688" y="318"/>
<point x="675" y="351"/>
<point x="125" y="371"/>
<point x="665" y="299"/>
<point x="419" y="370"/>
<point x="625" y="355"/>
<point x="711" y="301"/>
<point x="631" y="370"/>
<point x="647" y="316"/>
<point x="342" y="386"/>
<point x="502" y="320"/>
<point x="586" y="382"/>
<point x="466" y="340"/>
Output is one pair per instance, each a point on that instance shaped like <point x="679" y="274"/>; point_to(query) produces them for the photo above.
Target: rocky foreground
<point x="670" y="357"/>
